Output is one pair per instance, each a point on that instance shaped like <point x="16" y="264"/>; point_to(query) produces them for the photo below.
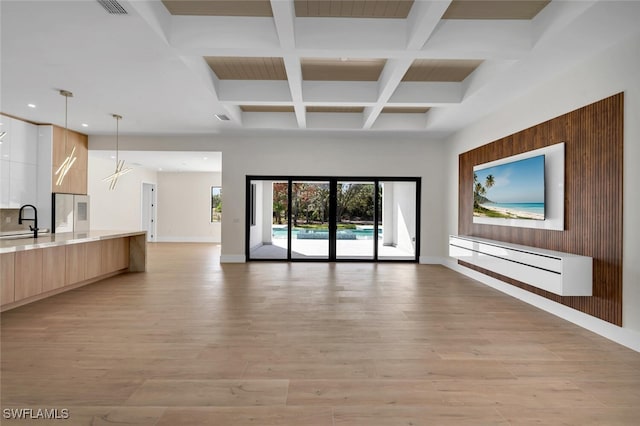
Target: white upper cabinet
<point x="5" y="142"/>
<point x="18" y="163"/>
<point x="24" y="142"/>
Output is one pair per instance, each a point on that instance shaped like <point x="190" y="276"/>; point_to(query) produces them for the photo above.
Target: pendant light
<point x="120" y="169"/>
<point x="71" y="158"/>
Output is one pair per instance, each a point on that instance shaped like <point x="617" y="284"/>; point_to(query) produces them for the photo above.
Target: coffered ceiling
<point x="424" y="68"/>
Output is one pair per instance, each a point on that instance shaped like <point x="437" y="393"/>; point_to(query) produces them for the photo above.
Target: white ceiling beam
<point x="400" y="122"/>
<point x="334" y="120"/>
<point x="348" y="33"/>
<point x="156" y="16"/>
<point x="340" y="91"/>
<point x="284" y="17"/>
<point x="161" y="22"/>
<point x="210" y="80"/>
<point x="391" y="76"/>
<point x="254" y="91"/>
<point x="427" y="93"/>
<point x="422" y="21"/>
<point x="499" y="50"/>
<point x="270" y="120"/>
<point x="230" y="32"/>
<point x="555" y="17"/>
<point x="478" y="39"/>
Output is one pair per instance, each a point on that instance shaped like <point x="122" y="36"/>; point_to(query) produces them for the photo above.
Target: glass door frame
<point x="333" y="184"/>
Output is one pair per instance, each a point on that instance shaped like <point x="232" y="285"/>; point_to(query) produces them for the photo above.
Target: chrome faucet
<point x="33" y="228"/>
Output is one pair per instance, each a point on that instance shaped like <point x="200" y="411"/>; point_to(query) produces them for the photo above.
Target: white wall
<point x="385" y="157"/>
<point x="121" y="208"/>
<point x="184" y="207"/>
<point x="610" y="72"/>
<point x="384" y="154"/>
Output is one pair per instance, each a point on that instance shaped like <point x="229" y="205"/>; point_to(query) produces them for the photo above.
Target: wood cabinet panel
<point x="53" y="268"/>
<point x="94" y="259"/>
<point x="28" y="273"/>
<point x="76" y="257"/>
<point x="115" y="255"/>
<point x="7" y="275"/>
<point x="76" y="180"/>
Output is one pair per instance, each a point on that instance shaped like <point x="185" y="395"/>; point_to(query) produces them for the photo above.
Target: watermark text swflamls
<point x="35" y="413"/>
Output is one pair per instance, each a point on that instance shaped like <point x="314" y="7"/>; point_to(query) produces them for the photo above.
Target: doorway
<point x="148" y="220"/>
<point x="294" y="218"/>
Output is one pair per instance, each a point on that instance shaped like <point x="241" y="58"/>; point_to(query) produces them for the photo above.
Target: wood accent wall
<point x="593" y="137"/>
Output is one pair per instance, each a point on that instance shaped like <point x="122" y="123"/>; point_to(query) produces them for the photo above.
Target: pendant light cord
<point x="117" y="138"/>
<point x="66" y="127"/>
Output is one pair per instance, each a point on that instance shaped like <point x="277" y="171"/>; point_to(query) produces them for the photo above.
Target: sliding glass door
<point x="332" y="219"/>
<point x="397" y="220"/>
<point x="310" y="220"/>
<point x="355" y="215"/>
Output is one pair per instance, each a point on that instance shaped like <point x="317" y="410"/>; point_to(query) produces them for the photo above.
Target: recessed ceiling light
<point x="85" y="125"/>
<point x="113" y="157"/>
<point x="205" y="158"/>
<point x="31" y="105"/>
<point x="222" y="117"/>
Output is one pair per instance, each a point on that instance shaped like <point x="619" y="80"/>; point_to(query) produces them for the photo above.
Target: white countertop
<point x="61" y="239"/>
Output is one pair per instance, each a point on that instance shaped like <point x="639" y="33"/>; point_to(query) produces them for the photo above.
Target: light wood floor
<point x="192" y="342"/>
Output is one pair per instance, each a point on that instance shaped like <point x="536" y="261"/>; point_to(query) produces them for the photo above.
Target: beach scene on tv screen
<point x="512" y="190"/>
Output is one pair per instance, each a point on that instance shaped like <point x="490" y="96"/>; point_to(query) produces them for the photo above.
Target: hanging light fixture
<point x="71" y="158"/>
<point x="120" y="169"/>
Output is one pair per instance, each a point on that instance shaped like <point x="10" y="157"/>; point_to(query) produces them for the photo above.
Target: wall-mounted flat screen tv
<point x="513" y="190"/>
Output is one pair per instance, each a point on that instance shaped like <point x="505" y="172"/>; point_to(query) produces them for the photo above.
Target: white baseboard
<point x="431" y="260"/>
<point x="621" y="335"/>
<point x="160" y="239"/>
<point x="232" y="258"/>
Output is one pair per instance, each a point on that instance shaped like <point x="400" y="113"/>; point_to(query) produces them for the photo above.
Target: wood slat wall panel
<point x="593" y="199"/>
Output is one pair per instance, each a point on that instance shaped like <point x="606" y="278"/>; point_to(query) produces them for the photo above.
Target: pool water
<point x="323" y="233"/>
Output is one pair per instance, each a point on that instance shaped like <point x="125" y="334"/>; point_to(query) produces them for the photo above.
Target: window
<point x="216" y="204"/>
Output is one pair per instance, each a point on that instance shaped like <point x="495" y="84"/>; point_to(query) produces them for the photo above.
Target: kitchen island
<point x="34" y="268"/>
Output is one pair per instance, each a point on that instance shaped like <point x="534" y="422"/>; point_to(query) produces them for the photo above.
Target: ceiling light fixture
<point x="84" y="125"/>
<point x="222" y="117"/>
<point x="31" y="105"/>
<point x="63" y="169"/>
<point x="120" y="169"/>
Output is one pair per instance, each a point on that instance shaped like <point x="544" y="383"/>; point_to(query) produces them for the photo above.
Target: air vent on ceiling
<point x="222" y="117"/>
<point x="113" y="7"/>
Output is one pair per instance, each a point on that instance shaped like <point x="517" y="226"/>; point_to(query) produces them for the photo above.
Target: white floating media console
<point x="564" y="274"/>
